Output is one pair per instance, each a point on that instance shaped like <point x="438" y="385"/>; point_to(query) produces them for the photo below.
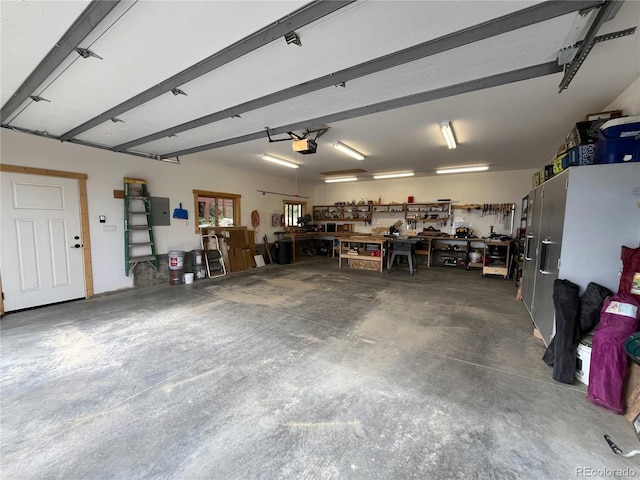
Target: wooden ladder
<point x="139" y="245"/>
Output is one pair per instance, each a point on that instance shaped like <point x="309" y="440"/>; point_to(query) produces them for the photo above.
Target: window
<point x="292" y="211"/>
<point x="216" y="209"/>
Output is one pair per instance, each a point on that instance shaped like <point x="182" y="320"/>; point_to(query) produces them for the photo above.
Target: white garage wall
<point x="628" y="101"/>
<point x="470" y="188"/>
<point x="106" y="171"/>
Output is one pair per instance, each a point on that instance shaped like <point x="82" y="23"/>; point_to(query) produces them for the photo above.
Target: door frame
<point x="84" y="217"/>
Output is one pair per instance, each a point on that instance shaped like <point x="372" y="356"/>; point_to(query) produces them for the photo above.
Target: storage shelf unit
<point x="431" y="212"/>
<point x="359" y="252"/>
<point x="390" y="208"/>
<point x="497" y="258"/>
<point x="326" y="213"/>
<point x="437" y="212"/>
<point x="454" y="252"/>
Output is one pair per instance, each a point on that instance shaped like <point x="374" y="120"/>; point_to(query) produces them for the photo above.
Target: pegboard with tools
<point x="485" y="217"/>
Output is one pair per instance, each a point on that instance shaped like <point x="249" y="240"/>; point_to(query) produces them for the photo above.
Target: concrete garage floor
<point x="300" y="371"/>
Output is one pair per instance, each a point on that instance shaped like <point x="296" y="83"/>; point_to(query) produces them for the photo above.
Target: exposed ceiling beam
<point x="95" y="12"/>
<point x="528" y="16"/>
<point x="440" y="93"/>
<point x="301" y="17"/>
<point x="44" y="134"/>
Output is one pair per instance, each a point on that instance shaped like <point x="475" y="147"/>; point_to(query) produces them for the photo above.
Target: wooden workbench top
<point x="322" y="234"/>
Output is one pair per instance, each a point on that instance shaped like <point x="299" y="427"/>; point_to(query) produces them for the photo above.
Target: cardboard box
<point x="548" y="172"/>
<point x="583" y="359"/>
<point x="583" y="155"/>
<point x="557" y="165"/>
<point x="632" y="396"/>
<point x="538" y="178"/>
<point x="580" y="155"/>
<point x="364" y="264"/>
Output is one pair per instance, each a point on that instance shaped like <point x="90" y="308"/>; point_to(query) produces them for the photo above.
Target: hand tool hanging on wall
<point x="180" y="213"/>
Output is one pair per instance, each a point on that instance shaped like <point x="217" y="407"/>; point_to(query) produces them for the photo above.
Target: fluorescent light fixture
<point x="447" y="133"/>
<point x="348" y="150"/>
<point x="279" y="161"/>
<point x="340" y="179"/>
<point x="382" y="176"/>
<point x="473" y="168"/>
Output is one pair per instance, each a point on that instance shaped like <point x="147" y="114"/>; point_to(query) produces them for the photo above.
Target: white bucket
<point x="176" y="260"/>
<point x="188" y="278"/>
<point x="475" y="257"/>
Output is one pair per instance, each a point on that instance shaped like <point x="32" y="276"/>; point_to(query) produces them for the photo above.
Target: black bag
<point x="591" y="303"/>
<point x="561" y="352"/>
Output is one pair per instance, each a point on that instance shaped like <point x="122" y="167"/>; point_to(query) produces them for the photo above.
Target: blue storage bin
<point x="580" y="155"/>
<point x="619" y="141"/>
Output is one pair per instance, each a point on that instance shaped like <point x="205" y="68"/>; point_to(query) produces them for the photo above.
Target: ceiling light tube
<point x="382" y="176"/>
<point x="279" y="161"/>
<point x="340" y="179"/>
<point x="473" y="168"/>
<point x="447" y="133"/>
<point x="348" y="150"/>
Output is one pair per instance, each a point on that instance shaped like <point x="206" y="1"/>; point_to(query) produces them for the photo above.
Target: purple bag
<point x="618" y="320"/>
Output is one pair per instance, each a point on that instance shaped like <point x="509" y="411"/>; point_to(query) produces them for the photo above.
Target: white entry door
<point x="41" y="256"/>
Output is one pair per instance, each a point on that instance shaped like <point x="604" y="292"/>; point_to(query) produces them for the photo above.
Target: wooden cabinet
<point x="437" y="212"/>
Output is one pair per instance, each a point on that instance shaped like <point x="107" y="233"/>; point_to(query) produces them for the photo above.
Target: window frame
<point x="302" y="203"/>
<point x="197" y="194"/>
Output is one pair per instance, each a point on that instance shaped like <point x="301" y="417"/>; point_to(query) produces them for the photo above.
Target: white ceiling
<point x="513" y="126"/>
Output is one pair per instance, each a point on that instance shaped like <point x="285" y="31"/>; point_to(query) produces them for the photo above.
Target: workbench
<point x="360" y="251"/>
<point x="305" y="236"/>
<point x="451" y="247"/>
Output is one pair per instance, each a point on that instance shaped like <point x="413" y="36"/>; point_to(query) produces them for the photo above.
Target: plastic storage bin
<point x="283" y="249"/>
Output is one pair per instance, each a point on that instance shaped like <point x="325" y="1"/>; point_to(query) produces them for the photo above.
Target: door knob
<point x="76" y="237"/>
<point x="77" y="245"/>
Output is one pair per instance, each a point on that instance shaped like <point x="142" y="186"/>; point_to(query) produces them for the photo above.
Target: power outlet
<point x="109" y="228"/>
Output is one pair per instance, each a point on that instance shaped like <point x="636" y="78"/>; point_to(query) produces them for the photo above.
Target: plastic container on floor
<point x="176" y="277"/>
<point x="176" y="260"/>
<point x="283" y="251"/>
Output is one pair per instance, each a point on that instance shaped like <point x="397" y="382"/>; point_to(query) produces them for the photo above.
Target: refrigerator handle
<point x="543" y="257"/>
<point x="527" y="247"/>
